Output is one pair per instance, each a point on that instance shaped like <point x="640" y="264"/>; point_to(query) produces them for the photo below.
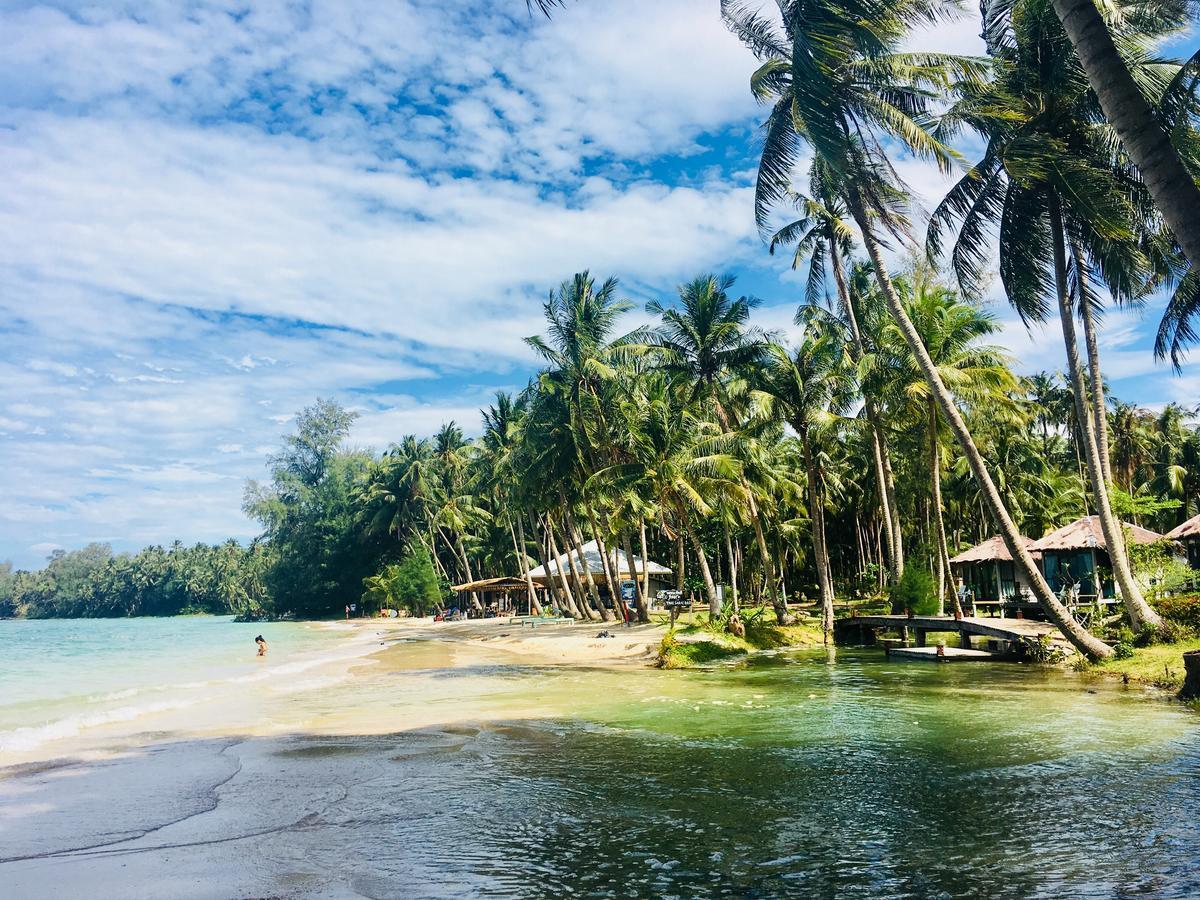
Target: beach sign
<point x="628" y="591"/>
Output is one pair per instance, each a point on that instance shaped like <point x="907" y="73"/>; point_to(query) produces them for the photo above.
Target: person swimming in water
<point x="262" y="645"/>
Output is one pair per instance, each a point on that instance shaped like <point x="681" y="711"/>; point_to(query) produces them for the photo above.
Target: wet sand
<point x="264" y="796"/>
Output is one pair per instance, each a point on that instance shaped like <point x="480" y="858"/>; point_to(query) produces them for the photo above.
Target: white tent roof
<point x="591" y="555"/>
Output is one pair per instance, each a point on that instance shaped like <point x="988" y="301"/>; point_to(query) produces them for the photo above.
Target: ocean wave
<point x="279" y="678"/>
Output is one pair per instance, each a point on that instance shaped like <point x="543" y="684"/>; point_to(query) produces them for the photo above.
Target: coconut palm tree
<point x="837" y="83"/>
<point x="810" y="386"/>
<point x="821" y="234"/>
<point x="978" y="375"/>
<point x="1066" y="206"/>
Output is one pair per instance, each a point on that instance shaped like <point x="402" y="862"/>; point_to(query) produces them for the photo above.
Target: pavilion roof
<point x="591" y="556"/>
<point x="1086" y="532"/>
<point x="993" y="549"/>
<point x="1189" y="529"/>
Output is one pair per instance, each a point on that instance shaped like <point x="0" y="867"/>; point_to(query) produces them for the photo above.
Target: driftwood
<point x="1191" y="676"/>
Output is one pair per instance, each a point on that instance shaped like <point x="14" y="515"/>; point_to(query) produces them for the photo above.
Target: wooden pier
<point x="862" y="629"/>
<point x="947" y="654"/>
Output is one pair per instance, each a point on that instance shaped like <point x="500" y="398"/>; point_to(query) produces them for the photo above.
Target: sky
<point x="214" y="213"/>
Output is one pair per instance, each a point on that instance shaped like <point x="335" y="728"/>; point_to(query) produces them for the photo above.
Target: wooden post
<point x="1191" y="676"/>
<point x="920" y="637"/>
<point x="904" y="633"/>
<point x="964" y="639"/>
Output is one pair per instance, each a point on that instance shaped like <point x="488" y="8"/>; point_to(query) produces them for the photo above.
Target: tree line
<point x="892" y="432"/>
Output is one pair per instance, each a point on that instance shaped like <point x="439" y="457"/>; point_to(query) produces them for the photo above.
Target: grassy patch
<point x="1160" y="665"/>
<point x="700" y="642"/>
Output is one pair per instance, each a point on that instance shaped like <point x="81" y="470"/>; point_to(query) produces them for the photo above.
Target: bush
<point x="1170" y="632"/>
<point x="1182" y="608"/>
<point x="915" y="591"/>
<point x="1122" y="650"/>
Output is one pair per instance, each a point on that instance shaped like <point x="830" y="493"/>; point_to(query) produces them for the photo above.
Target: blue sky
<point x="216" y="212"/>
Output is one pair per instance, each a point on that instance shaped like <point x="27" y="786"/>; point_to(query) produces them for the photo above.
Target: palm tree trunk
<point x="466" y="562"/>
<point x="710" y="589"/>
<point x="1091" y="340"/>
<point x="733" y="571"/>
<point x="535" y="608"/>
<point x="1079" y="636"/>
<point x="1140" y="613"/>
<point x="778" y="602"/>
<point x="680" y="562"/>
<point x="576" y="537"/>
<point x="639" y="596"/>
<point x="577" y="610"/>
<point x="879" y="450"/>
<point x="1149" y="146"/>
<point x="613" y="578"/>
<point x="645" y="562"/>
<point x="939" y="524"/>
<point x="816" y="513"/>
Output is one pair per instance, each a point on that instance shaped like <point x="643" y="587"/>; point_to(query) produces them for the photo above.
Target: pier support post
<point x="904" y="633"/>
<point x="1191" y="676"/>
<point x="964" y="639"/>
<point x="920" y="637"/>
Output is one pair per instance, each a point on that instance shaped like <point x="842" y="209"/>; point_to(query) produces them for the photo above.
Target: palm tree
<point x="811" y="386"/>
<point x="976" y="373"/>
<point x="1062" y="200"/>
<point x="705" y="343"/>
<point x="1127" y="108"/>
<point x="837" y="83"/>
<point x="819" y="234"/>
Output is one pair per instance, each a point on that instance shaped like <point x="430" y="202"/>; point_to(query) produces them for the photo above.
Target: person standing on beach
<point x="262" y="645"/>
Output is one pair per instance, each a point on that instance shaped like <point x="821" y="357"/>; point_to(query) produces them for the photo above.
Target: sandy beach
<point x="154" y="804"/>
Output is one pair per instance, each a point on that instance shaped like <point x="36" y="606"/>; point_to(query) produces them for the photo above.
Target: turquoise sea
<point x="61" y="678"/>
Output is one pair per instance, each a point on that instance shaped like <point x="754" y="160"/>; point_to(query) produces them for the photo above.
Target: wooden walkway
<point x="861" y="629"/>
<point x="948" y="654"/>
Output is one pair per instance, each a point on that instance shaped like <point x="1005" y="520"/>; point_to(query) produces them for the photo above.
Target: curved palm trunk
<point x="879" y="449"/>
<point x="577" y="610"/>
<point x="1091" y="340"/>
<point x="733" y="571"/>
<point x="1174" y="191"/>
<point x="939" y="523"/>
<point x="466" y="564"/>
<point x="639" y="595"/>
<point x="645" y="563"/>
<point x="535" y="608"/>
<point x="710" y="589"/>
<point x="583" y="571"/>
<point x="1140" y="613"/>
<point x="1079" y="636"/>
<point x="614" y="586"/>
<point x="778" y="602"/>
<point x="816" y="514"/>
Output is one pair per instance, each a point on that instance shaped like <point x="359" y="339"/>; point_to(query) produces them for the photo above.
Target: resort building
<point x="1188" y="534"/>
<point x="987" y="570"/>
<point x="1075" y="557"/>
<point x="659" y="575"/>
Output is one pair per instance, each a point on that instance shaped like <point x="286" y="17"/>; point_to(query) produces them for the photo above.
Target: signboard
<point x="674" y="600"/>
<point x="628" y="591"/>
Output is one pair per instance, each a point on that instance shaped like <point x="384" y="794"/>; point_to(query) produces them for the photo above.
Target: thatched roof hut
<point x="1085" y="532"/>
<point x="991" y="550"/>
<point x="1189" y="530"/>
<point x="987" y="570"/>
<point x="506" y="585"/>
<point x="1188" y="534"/>
<point x="591" y="559"/>
<point x="1075" y="557"/>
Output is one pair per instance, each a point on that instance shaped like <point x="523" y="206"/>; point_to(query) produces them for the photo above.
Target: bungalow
<point x="590" y="558"/>
<point x="988" y="572"/>
<point x="1188" y="534"/>
<point x="1075" y="556"/>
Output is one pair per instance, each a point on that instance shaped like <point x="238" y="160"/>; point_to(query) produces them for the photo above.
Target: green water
<point x="808" y="776"/>
<point x="800" y="774"/>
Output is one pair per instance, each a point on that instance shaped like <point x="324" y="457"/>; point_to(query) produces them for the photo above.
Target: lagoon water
<point x="436" y="772"/>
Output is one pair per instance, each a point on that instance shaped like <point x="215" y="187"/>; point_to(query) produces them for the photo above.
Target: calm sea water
<point x="60" y="678"/>
<point x="800" y="774"/>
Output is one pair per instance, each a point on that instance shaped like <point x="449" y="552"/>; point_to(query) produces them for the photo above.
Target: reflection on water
<point x="792" y="775"/>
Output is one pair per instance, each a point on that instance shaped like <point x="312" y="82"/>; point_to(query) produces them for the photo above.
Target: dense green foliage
<point x="220" y="579"/>
<point x="410" y="584"/>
